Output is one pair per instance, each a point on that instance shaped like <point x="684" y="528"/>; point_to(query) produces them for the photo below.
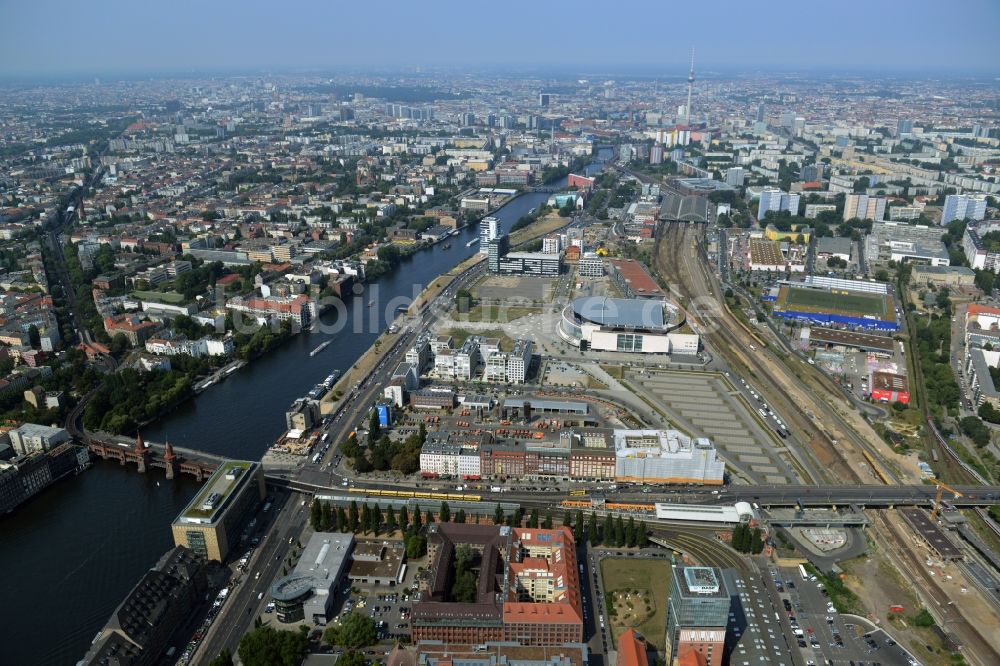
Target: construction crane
<point x="941" y="487"/>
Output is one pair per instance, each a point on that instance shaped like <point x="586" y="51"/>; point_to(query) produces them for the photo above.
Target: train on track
<point x="416" y="494"/>
<point x="630" y="507"/>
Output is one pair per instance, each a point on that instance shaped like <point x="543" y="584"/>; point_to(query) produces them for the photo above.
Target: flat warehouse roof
<point x="638" y="278"/>
<point x="851" y="339"/>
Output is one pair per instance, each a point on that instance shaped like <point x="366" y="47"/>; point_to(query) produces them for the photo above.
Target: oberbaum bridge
<point x="147" y="455"/>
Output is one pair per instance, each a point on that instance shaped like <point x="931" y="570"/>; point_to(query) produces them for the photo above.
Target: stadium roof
<point x="620" y="312"/>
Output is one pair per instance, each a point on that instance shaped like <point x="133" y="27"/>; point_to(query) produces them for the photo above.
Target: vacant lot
<point x="641" y="583"/>
<point x="500" y="314"/>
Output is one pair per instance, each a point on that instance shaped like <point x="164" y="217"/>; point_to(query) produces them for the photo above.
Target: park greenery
<point x="932" y="343"/>
<point x="384" y="454"/>
<point x="267" y="646"/>
<point x="355" y="631"/>
<point x="130" y="398"/>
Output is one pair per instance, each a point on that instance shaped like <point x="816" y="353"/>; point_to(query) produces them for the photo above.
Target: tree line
<point x="614" y="531"/>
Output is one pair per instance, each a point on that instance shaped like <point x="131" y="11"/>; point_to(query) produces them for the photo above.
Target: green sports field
<point x="834" y="301"/>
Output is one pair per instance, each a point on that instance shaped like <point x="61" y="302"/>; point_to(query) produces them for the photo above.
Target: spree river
<point x="69" y="556"/>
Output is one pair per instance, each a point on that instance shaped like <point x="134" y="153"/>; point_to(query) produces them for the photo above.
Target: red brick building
<point x="632" y="650"/>
<point x="527" y="587"/>
<point x="136" y="330"/>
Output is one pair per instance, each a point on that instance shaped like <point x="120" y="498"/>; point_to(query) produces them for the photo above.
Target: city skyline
<point x="253" y="37"/>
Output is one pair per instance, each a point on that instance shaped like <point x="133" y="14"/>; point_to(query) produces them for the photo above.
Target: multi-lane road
<point x="251" y="590"/>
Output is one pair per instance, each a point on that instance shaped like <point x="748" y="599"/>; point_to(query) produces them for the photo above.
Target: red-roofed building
<point x="632" y="650"/>
<point x="579" y="182"/>
<point x="226" y="280"/>
<point x="634" y="280"/>
<point x="702" y="646"/>
<point x="532" y="573"/>
<point x="93" y="349"/>
<point x="132" y="327"/>
<point x="546" y="583"/>
<point x="691" y="657"/>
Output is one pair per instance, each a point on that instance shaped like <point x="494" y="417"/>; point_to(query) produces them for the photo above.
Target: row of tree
<point x="614" y="531"/>
<point x="747" y="540"/>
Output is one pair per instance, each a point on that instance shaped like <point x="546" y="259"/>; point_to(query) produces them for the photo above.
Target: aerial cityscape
<point x="529" y="335"/>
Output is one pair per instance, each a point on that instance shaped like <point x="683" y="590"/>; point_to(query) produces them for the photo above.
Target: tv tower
<point x="687" y="109"/>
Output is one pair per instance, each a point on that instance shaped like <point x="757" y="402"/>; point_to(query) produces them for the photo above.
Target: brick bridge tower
<point x="141" y="453"/>
<point x="170" y="458"/>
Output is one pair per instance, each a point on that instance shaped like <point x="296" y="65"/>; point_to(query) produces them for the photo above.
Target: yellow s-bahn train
<point x="412" y="494"/>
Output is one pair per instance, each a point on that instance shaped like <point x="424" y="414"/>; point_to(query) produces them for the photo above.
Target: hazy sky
<point x="103" y="37"/>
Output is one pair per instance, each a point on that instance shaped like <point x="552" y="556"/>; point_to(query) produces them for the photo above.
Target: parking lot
<point x="754" y="631"/>
<point x="823" y="636"/>
<point x="390" y="611"/>
<point x="707" y="405"/>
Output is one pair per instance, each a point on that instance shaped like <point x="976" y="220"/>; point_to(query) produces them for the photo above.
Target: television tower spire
<point x="687" y="109"/>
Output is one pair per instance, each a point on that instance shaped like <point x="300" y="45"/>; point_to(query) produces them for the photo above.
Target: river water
<point x="69" y="557"/>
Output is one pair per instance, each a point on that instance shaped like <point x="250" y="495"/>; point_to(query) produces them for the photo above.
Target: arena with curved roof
<point x="626" y="325"/>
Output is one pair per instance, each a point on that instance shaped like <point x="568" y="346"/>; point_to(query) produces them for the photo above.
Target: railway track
<point x="952" y="618"/>
<point x="675" y="257"/>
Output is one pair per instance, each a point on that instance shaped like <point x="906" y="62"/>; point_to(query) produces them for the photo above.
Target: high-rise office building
<point x="864" y="207"/>
<point x="543" y="99"/>
<point x="489" y="228"/>
<point x="904" y="126"/>
<point x="496" y="249"/>
<point x="776" y="200"/>
<point x="760" y="112"/>
<point x="697" y="613"/>
<point x="963" y="207"/>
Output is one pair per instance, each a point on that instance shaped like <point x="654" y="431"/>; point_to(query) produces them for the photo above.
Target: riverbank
<point x="118" y="520"/>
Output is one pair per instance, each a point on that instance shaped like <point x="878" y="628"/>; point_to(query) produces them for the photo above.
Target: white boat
<point x="472" y="242"/>
<point x="321" y="347"/>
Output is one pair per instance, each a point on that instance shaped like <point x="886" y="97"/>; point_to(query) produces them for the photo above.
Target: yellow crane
<point x="941" y="487"/>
